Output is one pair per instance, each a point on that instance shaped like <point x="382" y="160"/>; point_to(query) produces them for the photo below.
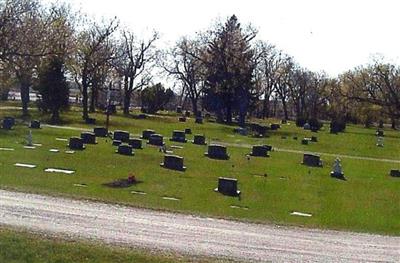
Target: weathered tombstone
<point x="121" y="136"/>
<point x="156" y="139"/>
<point x="179" y="109"/>
<point x="259" y="151"/>
<point x="379" y="142"/>
<point x="227" y="186"/>
<point x="100" y="131"/>
<point x="199" y="120"/>
<point x="88" y="137"/>
<point x="216" y="151"/>
<point x="337" y="171"/>
<point x="29" y="139"/>
<point x="147" y="133"/>
<point x="35" y="124"/>
<point x="90" y="121"/>
<point x="312" y="160"/>
<point x="178" y="136"/>
<point x="314" y="139"/>
<point x="135" y="143"/>
<point x="125" y="149"/>
<point x="380" y="133"/>
<point x="199" y="139"/>
<point x="307" y="126"/>
<point x="182" y="119"/>
<point x="275" y="126"/>
<point x="8" y="123"/>
<point x="188" y="131"/>
<point x="76" y="143"/>
<point x="173" y="162"/>
<point x="395" y="173"/>
<point x="187" y="113"/>
<point x="116" y="142"/>
<point x="305" y="141"/>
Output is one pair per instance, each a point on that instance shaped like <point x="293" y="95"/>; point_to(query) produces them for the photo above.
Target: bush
<point x="337" y="126"/>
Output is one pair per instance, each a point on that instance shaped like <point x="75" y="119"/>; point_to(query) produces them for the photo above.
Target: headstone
<point x="283" y="121"/>
<point x="259" y="151"/>
<point x="187" y="113"/>
<point x="379" y="142"/>
<point x="100" y="131"/>
<point x="91" y="121"/>
<point x="307" y="126"/>
<point x="380" y="133"/>
<point x="147" y="133"/>
<point x="216" y="151"/>
<point x="314" y="139"/>
<point x="88" y="137"/>
<point x="188" y="131"/>
<point x="173" y="162"/>
<point x="121" y="136"/>
<point x="241" y="131"/>
<point x="337" y="170"/>
<point x="135" y="143"/>
<point x="116" y="142"/>
<point x="312" y="160"/>
<point x="8" y="123"/>
<point x="199" y="139"/>
<point x="227" y="186"/>
<point x="275" y="126"/>
<point x="11" y="120"/>
<point x="141" y="116"/>
<point x="125" y="149"/>
<point x="112" y="109"/>
<point x="29" y="139"/>
<point x="305" y="141"/>
<point x="35" y="124"/>
<point x="156" y="139"/>
<point x="295" y="138"/>
<point x="182" y="119"/>
<point x="76" y="143"/>
<point x="395" y="173"/>
<point x="178" y="136"/>
<point x="179" y="109"/>
<point x="199" y="120"/>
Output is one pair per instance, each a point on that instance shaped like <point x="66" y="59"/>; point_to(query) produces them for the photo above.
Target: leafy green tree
<point x="53" y="89"/>
<point x="154" y="98"/>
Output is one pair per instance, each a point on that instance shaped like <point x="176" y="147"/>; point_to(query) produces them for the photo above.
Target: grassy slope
<point x="368" y="201"/>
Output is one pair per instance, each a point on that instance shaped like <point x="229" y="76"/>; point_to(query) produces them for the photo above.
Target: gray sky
<point x="322" y="35"/>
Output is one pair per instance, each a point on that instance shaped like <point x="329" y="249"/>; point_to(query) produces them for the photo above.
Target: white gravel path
<point x="190" y="234"/>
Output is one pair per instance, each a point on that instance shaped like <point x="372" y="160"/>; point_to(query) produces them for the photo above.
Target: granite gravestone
<point x="125" y="149"/>
<point x="187" y="113"/>
<point x="395" y="173"/>
<point x="312" y="160"/>
<point x="91" y="121"/>
<point x="116" y="142"/>
<point x="305" y="141"/>
<point x="199" y="139"/>
<point x="135" y="143"/>
<point x="182" y="119"/>
<point x="178" y="136"/>
<point x="188" y="131"/>
<point x="199" y="120"/>
<point x="227" y="186"/>
<point x="100" y="132"/>
<point x="275" y="126"/>
<point x="380" y="133"/>
<point x="147" y="133"/>
<point x="173" y="162"/>
<point x="35" y="124"/>
<point x="179" y="109"/>
<point x="259" y="151"/>
<point x="156" y="139"/>
<point x="88" y="138"/>
<point x="307" y="126"/>
<point x="8" y="123"/>
<point x="216" y="151"/>
<point x="76" y="143"/>
<point x="314" y="139"/>
<point x="122" y="136"/>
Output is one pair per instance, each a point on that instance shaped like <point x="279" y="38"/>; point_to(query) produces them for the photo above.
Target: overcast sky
<point x="322" y="35"/>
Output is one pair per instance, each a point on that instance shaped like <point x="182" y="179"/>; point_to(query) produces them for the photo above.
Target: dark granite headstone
<point x="182" y="119"/>
<point x="173" y="162"/>
<point x="100" y="131"/>
<point x="179" y="109"/>
<point x="88" y="137"/>
<point x="199" y="139"/>
<point x="305" y="141"/>
<point x="147" y="133"/>
<point x="8" y="123"/>
<point x="178" y="136"/>
<point x="125" y="149"/>
<point x="227" y="186"/>
<point x="259" y="151"/>
<point x="135" y="143"/>
<point x="380" y="133"/>
<point x="395" y="173"/>
<point x="187" y="113"/>
<point x="314" y="139"/>
<point x="116" y="143"/>
<point x="156" y="139"/>
<point x="312" y="160"/>
<point x="199" y="120"/>
<point x="76" y="143"/>
<point x="35" y="124"/>
<point x="275" y="126"/>
<point x="188" y="131"/>
<point x="121" y="136"/>
<point x="90" y="121"/>
<point x="10" y="120"/>
<point x="216" y="151"/>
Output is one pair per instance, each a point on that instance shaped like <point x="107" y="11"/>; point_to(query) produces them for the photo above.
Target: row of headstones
<point x="9" y="122"/>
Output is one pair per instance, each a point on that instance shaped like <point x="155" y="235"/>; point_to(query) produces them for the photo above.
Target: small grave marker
<point x="25" y="165"/>
<point x="227" y="186"/>
<point x="56" y="170"/>
<point x="173" y="162"/>
<point x="216" y="151"/>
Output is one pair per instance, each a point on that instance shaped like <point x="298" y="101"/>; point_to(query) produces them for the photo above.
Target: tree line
<point x="225" y="70"/>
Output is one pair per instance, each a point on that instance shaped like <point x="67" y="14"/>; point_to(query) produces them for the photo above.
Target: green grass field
<point x="369" y="201"/>
<point x="22" y="247"/>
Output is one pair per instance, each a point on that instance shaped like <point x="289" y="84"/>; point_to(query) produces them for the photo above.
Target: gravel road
<point x="190" y="234"/>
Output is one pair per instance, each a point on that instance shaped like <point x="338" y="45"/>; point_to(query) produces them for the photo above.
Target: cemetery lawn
<point x="369" y="201"/>
<point x="17" y="246"/>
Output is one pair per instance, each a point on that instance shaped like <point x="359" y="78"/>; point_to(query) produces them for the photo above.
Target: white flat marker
<point x="70" y="152"/>
<point x="25" y="165"/>
<point x="7" y="149"/>
<point x="61" y="139"/>
<point x="138" y="193"/>
<point x="54" y="150"/>
<point x="37" y="144"/>
<point x="30" y="147"/>
<point x="170" y="198"/>
<point x="55" y="170"/>
<point x="294" y="213"/>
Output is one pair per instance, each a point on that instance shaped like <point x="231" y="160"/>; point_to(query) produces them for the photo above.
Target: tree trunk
<point x="229" y="114"/>
<point x="127" y="95"/>
<point x="93" y="97"/>
<point x="285" y="111"/>
<point x="25" y="98"/>
<point x="55" y="117"/>
<point x="393" y="123"/>
<point x="266" y="107"/>
<point x="85" y="114"/>
<point x="194" y="106"/>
